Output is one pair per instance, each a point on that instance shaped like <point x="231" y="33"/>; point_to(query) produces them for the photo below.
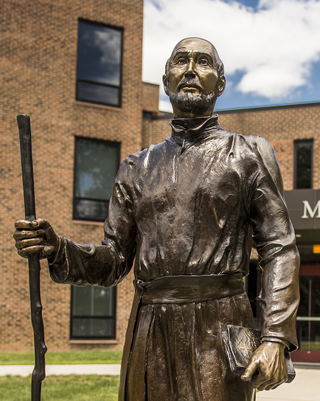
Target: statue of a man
<point x="186" y="211"/>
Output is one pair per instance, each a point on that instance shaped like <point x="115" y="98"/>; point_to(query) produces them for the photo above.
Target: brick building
<point x="60" y="61"/>
<point x="75" y="67"/>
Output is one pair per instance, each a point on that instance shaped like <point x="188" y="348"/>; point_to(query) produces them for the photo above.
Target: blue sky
<point x="270" y="48"/>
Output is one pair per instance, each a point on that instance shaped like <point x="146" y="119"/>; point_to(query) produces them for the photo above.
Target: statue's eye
<point x="203" y="61"/>
<point x="181" y="61"/>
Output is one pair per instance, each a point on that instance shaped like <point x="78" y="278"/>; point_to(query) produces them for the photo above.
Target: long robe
<point x="191" y="206"/>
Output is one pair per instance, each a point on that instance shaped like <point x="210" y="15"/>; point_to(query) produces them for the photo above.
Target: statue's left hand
<point x="269" y="362"/>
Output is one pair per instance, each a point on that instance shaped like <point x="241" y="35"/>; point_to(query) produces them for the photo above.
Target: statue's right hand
<point x="35" y="236"/>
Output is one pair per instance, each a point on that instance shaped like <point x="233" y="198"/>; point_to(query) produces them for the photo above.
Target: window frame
<point x="114" y="318"/>
<point x="295" y="170"/>
<point x="74" y="217"/>
<point x="121" y="29"/>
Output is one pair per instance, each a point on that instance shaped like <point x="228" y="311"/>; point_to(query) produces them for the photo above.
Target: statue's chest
<point x="199" y="177"/>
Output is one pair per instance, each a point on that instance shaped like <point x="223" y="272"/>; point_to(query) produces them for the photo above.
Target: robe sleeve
<point x="274" y="236"/>
<point x="107" y="264"/>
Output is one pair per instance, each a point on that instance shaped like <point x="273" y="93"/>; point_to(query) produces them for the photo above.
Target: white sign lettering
<point x="307" y="210"/>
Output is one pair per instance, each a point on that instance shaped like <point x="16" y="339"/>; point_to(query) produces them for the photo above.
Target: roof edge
<point x="267" y="108"/>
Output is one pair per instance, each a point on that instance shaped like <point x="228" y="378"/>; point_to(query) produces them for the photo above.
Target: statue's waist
<point x="189" y="288"/>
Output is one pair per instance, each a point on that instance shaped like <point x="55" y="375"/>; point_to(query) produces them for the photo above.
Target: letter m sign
<point x="307" y="211"/>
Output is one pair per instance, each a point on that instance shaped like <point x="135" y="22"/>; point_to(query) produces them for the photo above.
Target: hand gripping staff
<point x="40" y="348"/>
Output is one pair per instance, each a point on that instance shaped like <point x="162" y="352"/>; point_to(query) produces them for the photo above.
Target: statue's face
<point x="192" y="81"/>
<point x="193" y="68"/>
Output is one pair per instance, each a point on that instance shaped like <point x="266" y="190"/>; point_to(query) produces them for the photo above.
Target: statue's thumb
<point x="35" y="224"/>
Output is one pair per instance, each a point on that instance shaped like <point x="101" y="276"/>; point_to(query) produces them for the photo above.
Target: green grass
<point x="63" y="358"/>
<point x="62" y="388"/>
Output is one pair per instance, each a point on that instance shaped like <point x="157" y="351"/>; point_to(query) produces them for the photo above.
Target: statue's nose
<point x="190" y="69"/>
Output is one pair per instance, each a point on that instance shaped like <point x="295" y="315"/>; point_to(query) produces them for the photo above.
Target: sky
<point x="270" y="48"/>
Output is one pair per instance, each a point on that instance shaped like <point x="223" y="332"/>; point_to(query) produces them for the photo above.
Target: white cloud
<point x="273" y="46"/>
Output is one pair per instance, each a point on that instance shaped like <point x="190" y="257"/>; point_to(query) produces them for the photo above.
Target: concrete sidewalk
<point x="26" y="370"/>
<point x="305" y="387"/>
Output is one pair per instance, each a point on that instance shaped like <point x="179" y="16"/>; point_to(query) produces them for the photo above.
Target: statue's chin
<point x="190" y="102"/>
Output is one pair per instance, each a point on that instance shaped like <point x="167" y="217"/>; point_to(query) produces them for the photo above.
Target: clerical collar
<point x="193" y="129"/>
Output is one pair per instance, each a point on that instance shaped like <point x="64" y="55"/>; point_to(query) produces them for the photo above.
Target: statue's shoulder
<point x="264" y="148"/>
<point x="135" y="160"/>
<point x="265" y="157"/>
<point x="255" y="149"/>
<point x="249" y="140"/>
<point x="129" y="165"/>
<point x="153" y="150"/>
<point x="257" y="144"/>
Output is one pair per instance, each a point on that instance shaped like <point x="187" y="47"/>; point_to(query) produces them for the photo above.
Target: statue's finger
<point x="31" y="250"/>
<point x="275" y="385"/>
<point x="40" y="223"/>
<point x="23" y="224"/>
<point x="258" y="382"/>
<point x="24" y="243"/>
<point x="24" y="234"/>
<point x="271" y="386"/>
<point x="250" y="371"/>
<point x="267" y="385"/>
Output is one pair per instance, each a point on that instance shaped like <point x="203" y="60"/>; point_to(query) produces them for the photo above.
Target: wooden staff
<point x="40" y="348"/>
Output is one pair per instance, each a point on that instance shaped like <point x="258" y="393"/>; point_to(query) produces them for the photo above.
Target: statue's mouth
<point x="189" y="85"/>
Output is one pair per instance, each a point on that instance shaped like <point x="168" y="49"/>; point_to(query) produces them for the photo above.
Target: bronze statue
<point x="186" y="210"/>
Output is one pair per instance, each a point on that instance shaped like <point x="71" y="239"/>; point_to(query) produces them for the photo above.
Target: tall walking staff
<point x="40" y="348"/>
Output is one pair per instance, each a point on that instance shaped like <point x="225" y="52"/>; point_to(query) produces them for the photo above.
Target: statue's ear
<point x="221" y="85"/>
<point x="165" y="84"/>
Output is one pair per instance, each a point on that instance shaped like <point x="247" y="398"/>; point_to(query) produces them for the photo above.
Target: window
<point x="303" y="155"/>
<point x="99" y="64"/>
<point x="95" y="167"/>
<point x="93" y="312"/>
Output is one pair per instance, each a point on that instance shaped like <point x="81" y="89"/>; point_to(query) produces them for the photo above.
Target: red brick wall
<point x="38" y="77"/>
<point x="150" y="97"/>
<point x="155" y="129"/>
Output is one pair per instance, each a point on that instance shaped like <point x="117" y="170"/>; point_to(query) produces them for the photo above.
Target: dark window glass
<point x="308" y="319"/>
<point x="99" y="64"/>
<point x="95" y="167"/>
<point x="93" y="312"/>
<point x="303" y="164"/>
<point x="98" y="93"/>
